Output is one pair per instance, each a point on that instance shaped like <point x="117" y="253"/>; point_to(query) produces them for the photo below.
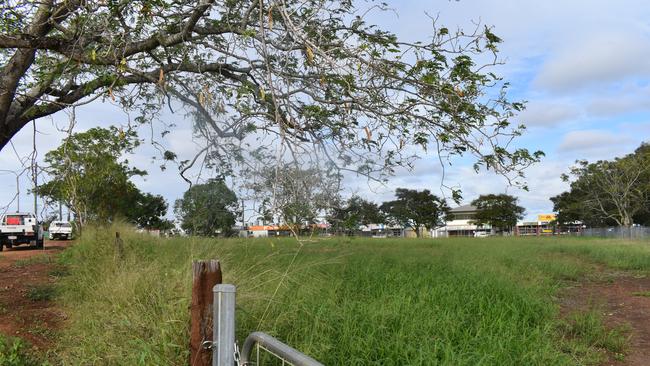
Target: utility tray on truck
<point x="20" y="228"/>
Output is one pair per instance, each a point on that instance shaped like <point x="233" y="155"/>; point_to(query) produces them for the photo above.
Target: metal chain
<point x="207" y="345"/>
<point x="237" y="356"/>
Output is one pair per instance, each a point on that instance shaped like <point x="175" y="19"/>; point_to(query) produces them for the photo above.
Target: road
<point x="27" y="276"/>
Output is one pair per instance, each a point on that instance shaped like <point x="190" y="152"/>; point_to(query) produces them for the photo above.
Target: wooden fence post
<point x="119" y="246"/>
<point x="205" y="275"/>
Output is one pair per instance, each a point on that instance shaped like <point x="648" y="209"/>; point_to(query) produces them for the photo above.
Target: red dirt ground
<point x="20" y="269"/>
<point x="622" y="305"/>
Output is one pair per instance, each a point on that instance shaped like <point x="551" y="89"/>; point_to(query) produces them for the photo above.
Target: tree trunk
<point x="627" y="221"/>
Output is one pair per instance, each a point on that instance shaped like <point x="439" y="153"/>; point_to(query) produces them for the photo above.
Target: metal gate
<point x="225" y="351"/>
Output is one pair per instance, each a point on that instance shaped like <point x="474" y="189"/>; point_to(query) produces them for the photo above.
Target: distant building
<point x="546" y="225"/>
<point x="264" y="231"/>
<point x="543" y="226"/>
<point x="386" y="231"/>
<point x="461" y="224"/>
<point x="380" y="231"/>
<point x="571" y="228"/>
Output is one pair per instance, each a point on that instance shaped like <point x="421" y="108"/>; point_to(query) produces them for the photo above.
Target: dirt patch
<point x="26" y="284"/>
<point x="625" y="301"/>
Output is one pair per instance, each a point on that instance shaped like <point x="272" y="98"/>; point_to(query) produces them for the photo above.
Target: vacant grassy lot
<point x="347" y="301"/>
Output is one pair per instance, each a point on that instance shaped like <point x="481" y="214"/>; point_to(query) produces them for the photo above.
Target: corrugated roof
<point x="463" y="208"/>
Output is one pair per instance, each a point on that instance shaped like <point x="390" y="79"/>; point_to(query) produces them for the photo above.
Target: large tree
<point x="570" y="208"/>
<point x="148" y="211"/>
<point x="88" y="174"/>
<point x="207" y="209"/>
<point x="500" y="211"/>
<point x="608" y="192"/>
<point x="416" y="209"/>
<point x="312" y="73"/>
<point x="354" y="212"/>
<point x="295" y="194"/>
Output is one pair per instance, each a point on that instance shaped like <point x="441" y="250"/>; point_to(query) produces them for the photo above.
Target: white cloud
<point x="597" y="60"/>
<point x="590" y="141"/>
<point x="546" y="114"/>
<point x="630" y="99"/>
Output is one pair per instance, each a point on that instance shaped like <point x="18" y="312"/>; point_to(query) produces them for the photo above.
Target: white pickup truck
<point x="20" y="228"/>
<point x="61" y="230"/>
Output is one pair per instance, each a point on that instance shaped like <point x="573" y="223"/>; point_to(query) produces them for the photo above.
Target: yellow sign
<point x="546" y="217"/>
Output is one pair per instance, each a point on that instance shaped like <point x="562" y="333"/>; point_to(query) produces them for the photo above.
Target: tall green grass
<point x="343" y="301"/>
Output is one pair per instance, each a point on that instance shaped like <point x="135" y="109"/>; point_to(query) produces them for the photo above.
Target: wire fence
<point x="620" y="232"/>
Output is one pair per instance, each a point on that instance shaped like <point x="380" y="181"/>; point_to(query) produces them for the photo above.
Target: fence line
<point x="621" y="232"/>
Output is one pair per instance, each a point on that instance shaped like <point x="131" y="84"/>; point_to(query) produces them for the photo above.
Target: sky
<point x="582" y="66"/>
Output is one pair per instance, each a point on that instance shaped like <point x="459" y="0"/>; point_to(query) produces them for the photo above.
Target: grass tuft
<point x="641" y="293"/>
<point x="15" y="352"/>
<point x="59" y="272"/>
<point x="590" y="329"/>
<point x="40" y="258"/>
<point x="41" y="293"/>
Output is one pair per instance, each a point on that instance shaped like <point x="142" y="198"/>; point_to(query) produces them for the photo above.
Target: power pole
<point x="35" y="190"/>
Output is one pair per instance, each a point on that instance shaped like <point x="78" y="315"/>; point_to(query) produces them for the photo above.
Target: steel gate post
<point x="223" y="350"/>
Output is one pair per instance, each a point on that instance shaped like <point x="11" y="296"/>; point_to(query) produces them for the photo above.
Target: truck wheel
<point x="39" y="244"/>
<point x="1" y="247"/>
<point x="9" y="245"/>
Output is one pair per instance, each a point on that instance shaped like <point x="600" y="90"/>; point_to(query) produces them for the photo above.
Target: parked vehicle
<point x="60" y="230"/>
<point x="20" y="228"/>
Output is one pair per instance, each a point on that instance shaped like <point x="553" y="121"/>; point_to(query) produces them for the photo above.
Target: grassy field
<point x="346" y="301"/>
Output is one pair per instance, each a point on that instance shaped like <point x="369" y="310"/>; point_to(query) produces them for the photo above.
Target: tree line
<point x="417" y="209"/>
<point x="213" y="211"/>
<point x="90" y="174"/>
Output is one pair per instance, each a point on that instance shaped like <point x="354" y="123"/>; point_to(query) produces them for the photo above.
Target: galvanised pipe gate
<point x="224" y="347"/>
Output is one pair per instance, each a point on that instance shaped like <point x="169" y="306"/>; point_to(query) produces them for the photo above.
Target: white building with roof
<point x="460" y="224"/>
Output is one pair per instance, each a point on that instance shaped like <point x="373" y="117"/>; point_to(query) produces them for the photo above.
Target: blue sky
<point x="583" y="67"/>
